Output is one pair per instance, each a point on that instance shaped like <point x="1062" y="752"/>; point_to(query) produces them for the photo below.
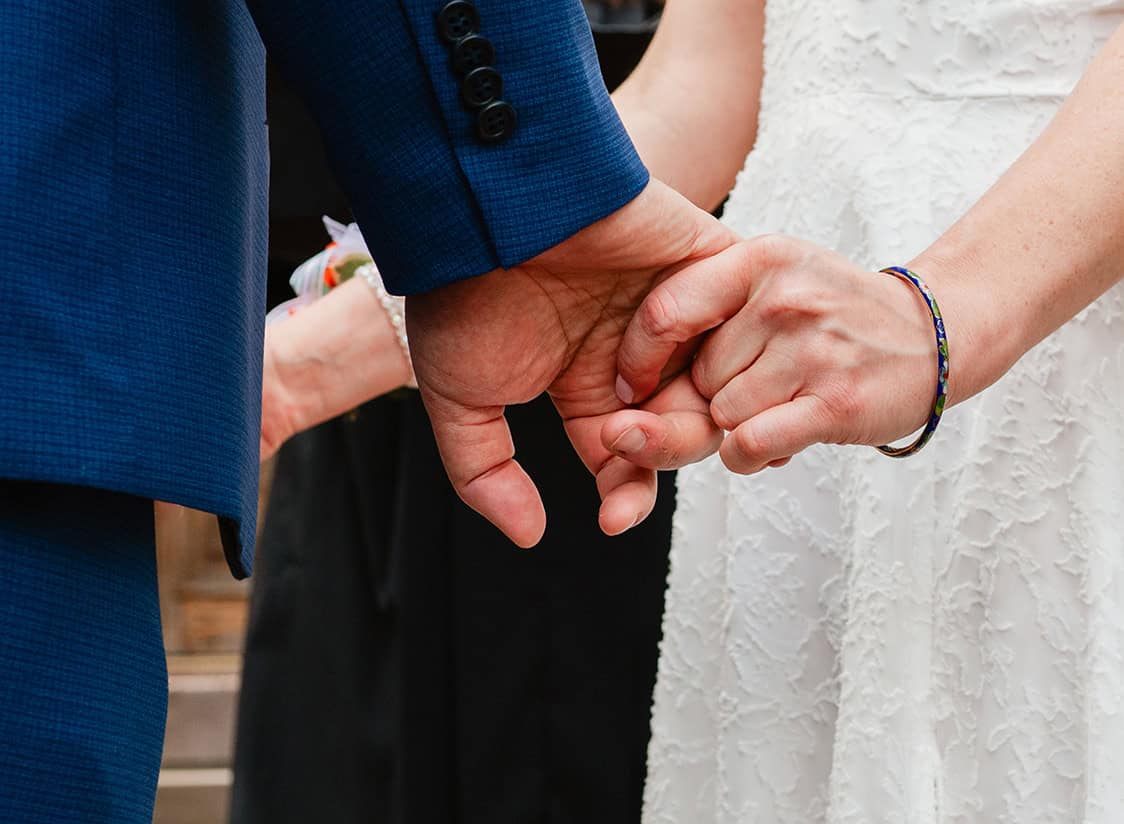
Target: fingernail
<point x="631" y="441"/>
<point x="624" y="391"/>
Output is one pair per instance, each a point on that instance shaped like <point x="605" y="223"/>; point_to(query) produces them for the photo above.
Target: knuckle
<point x="704" y="379"/>
<point x="668" y="455"/>
<point x="751" y="443"/>
<point x="774" y="311"/>
<point x="659" y="315"/>
<point x="801" y="292"/>
<point x="840" y="396"/>
<point x="734" y="460"/>
<point x="796" y="300"/>
<point x="730" y="462"/>
<point x="833" y="406"/>
<point x="765" y="250"/>
<point x="775" y="251"/>
<point x="722" y="412"/>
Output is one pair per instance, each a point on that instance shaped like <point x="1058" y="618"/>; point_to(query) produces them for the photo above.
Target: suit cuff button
<point x="472" y="52"/>
<point x="496" y="122"/>
<point x="457" y="19"/>
<point x="481" y="87"/>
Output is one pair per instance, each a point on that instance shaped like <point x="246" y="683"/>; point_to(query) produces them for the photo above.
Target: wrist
<point x="981" y="337"/>
<point x="394" y="313"/>
<point x="278" y="413"/>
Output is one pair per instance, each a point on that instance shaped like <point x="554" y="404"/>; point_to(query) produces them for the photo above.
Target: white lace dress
<point x="857" y="639"/>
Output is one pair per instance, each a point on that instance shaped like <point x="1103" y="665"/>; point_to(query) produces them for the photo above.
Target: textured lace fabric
<point x="855" y="639"/>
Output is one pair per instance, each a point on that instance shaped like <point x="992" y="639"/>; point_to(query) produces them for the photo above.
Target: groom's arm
<point x="445" y="189"/>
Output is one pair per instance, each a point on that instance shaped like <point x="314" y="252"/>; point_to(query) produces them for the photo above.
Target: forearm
<point x="1044" y="242"/>
<point x="329" y="358"/>
<point x="691" y="105"/>
<point x="441" y="189"/>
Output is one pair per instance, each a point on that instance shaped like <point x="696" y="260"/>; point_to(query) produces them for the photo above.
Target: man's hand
<point x="554" y="324"/>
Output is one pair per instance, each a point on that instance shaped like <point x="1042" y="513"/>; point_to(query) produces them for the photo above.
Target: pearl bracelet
<point x="395" y="308"/>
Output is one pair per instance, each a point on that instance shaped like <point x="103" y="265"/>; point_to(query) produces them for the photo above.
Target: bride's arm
<point x="1046" y="240"/>
<point x="823" y="351"/>
<point x="691" y="105"/>
<point x="330" y="357"/>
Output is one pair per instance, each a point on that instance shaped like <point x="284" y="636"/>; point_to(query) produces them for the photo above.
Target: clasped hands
<point x="656" y="331"/>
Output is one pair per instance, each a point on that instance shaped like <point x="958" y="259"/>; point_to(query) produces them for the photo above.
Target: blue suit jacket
<point x="133" y="185"/>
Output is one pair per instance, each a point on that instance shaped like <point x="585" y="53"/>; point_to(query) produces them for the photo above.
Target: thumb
<point x="672" y="430"/>
<point x="479" y="456"/>
<point x="694" y="300"/>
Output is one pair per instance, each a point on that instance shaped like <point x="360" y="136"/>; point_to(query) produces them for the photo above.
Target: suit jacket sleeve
<point x="436" y="203"/>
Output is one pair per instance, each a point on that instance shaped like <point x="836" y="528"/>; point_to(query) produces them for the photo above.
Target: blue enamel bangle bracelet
<point x="942" y="366"/>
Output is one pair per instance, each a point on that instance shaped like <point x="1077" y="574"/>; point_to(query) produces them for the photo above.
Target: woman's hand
<point x="327" y="359"/>
<point x="820" y="351"/>
<point x="809" y="349"/>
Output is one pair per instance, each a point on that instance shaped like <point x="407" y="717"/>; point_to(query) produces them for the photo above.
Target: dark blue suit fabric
<point x="133" y="208"/>
<point x="83" y="686"/>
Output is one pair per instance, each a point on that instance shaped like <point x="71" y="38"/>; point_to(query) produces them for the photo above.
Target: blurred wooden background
<point x="205" y="612"/>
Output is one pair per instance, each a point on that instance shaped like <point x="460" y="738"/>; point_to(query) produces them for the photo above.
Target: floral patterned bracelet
<point x="942" y="366"/>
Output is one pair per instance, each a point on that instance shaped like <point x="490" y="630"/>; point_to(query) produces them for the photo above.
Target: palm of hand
<point x="554" y="324"/>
